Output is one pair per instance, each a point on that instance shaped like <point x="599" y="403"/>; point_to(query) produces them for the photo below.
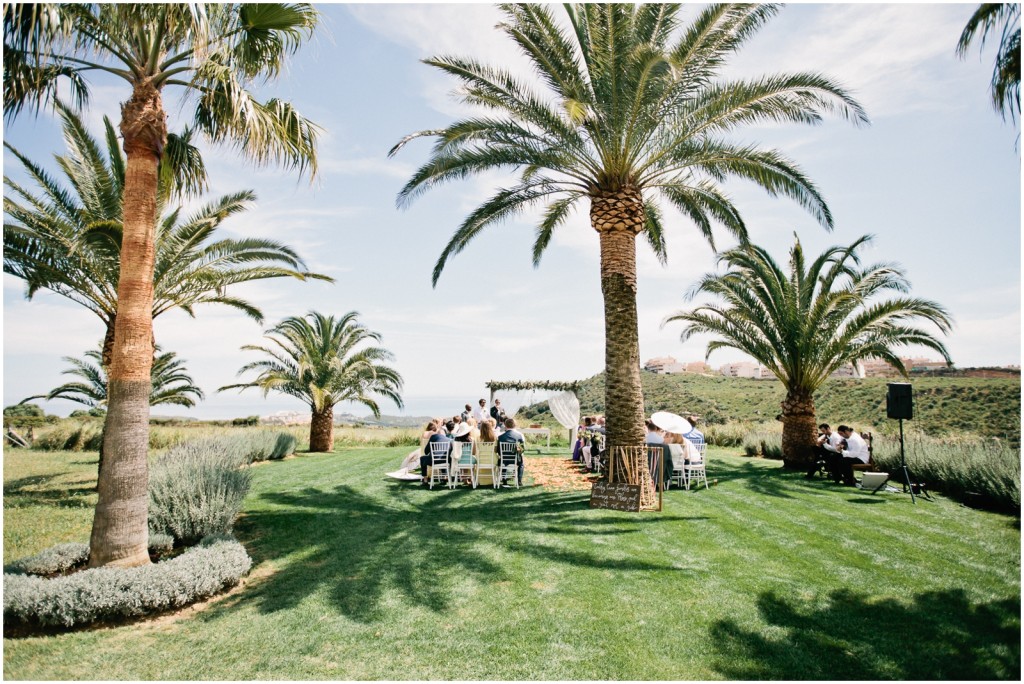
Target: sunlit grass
<point x="763" y="576"/>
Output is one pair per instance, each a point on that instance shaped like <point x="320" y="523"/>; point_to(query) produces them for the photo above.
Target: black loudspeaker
<point x="899" y="402"/>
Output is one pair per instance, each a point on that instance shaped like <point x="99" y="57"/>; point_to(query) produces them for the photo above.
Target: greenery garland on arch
<point x="522" y="385"/>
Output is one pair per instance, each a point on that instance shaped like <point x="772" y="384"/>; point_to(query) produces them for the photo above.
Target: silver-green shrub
<point x="261" y="445"/>
<point x="196" y="489"/>
<point x="63" y="557"/>
<point x="959" y="467"/>
<point x="59" y="558"/>
<point x="117" y="593"/>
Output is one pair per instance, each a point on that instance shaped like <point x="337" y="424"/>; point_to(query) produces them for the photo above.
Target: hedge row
<point x="117" y="593"/>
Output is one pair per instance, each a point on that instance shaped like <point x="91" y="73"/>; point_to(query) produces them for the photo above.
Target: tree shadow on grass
<point x="758" y="478"/>
<point x="47" y="490"/>
<point x="423" y="546"/>
<point x="929" y="635"/>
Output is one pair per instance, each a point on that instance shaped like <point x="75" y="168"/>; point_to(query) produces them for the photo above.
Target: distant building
<point x="663" y="365"/>
<point x="919" y="365"/>
<point x="877" y="368"/>
<point x="666" y="365"/>
<point x="745" y="369"/>
<point x="848" y="370"/>
<point x="287" y="418"/>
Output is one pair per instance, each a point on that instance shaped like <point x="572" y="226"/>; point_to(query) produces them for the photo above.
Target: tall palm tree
<point x="635" y="111"/>
<point x="213" y="53"/>
<point x="171" y="383"/>
<point x="805" y="323"/>
<point x="1006" y="73"/>
<point x="66" y="237"/>
<point x="324" y="361"/>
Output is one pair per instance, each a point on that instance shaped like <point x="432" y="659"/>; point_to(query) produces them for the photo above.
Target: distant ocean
<point x="221" y="407"/>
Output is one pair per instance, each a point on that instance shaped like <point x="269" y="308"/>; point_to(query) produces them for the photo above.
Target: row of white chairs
<point x="448" y="467"/>
<point x="693" y="472"/>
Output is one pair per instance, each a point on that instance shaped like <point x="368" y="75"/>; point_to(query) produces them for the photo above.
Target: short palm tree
<point x="1006" y="74"/>
<point x="66" y="237"/>
<point x="324" y="361"/>
<point x="212" y="53"/>
<point x="171" y="383"/>
<point x="635" y="111"/>
<point x="805" y="323"/>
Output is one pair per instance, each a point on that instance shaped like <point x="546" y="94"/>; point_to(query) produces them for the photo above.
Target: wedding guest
<point x="512" y="435"/>
<point x="480" y="412"/>
<point x="426" y="458"/>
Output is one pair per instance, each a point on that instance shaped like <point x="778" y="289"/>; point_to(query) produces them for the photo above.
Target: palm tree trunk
<point x="105" y="358"/>
<point x="321" y="430"/>
<point x="798" y="430"/>
<point x="618" y="216"/>
<point x="120" y="533"/>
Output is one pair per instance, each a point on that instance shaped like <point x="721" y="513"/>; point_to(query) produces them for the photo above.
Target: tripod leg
<point x="906" y="481"/>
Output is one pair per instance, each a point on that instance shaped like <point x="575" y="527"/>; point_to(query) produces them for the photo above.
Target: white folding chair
<point x="678" y="474"/>
<point x="440" y="464"/>
<point x="486" y="462"/>
<point x="507" y="466"/>
<point x="466" y="463"/>
<point x="696" y="469"/>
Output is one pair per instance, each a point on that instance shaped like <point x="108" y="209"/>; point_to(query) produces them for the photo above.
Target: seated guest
<point x="487" y="433"/>
<point x="462" y="433"/>
<point x="827" y="448"/>
<point x="474" y="429"/>
<point x="425" y="459"/>
<point x="512" y="435"/>
<point x="654" y="437"/>
<point x="430" y="429"/>
<point x="694" y="435"/>
<point x="854" y="450"/>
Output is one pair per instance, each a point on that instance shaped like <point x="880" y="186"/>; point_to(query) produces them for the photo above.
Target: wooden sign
<point x="618" y="496"/>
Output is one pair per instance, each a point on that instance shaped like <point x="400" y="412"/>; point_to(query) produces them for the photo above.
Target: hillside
<point x="942" y="405"/>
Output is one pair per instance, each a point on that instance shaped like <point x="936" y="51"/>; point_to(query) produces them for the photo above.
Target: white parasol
<point x="670" y="422"/>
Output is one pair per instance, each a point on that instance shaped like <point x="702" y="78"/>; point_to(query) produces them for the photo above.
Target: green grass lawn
<point x="764" y="576"/>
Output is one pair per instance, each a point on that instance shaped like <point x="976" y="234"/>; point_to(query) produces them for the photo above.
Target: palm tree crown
<point x="804" y="323"/>
<point x="633" y="102"/>
<point x="171" y="383"/>
<point x="324" y="360"/>
<point x="215" y="52"/>
<point x="67" y="238"/>
<point x="1006" y="72"/>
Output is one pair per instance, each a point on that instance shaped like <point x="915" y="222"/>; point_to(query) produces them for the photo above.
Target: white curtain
<point x="565" y="407"/>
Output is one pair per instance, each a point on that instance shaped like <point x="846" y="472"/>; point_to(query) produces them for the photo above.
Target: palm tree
<point x="171" y="383"/>
<point x="635" y="112"/>
<point x="214" y="53"/>
<point x="1006" y="74"/>
<point x="67" y="238"/>
<point x="324" y="361"/>
<point x="805" y="324"/>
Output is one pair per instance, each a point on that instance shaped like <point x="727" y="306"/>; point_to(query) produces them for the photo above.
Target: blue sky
<point x="935" y="177"/>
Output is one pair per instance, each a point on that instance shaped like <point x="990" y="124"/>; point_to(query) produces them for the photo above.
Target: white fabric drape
<point x="565" y="407"/>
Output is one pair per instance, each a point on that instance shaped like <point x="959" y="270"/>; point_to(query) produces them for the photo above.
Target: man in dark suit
<point x="438" y="436"/>
<point x="515" y="436"/>
<point x="498" y="414"/>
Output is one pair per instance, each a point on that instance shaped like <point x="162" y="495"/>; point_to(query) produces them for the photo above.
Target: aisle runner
<point x="559" y="473"/>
